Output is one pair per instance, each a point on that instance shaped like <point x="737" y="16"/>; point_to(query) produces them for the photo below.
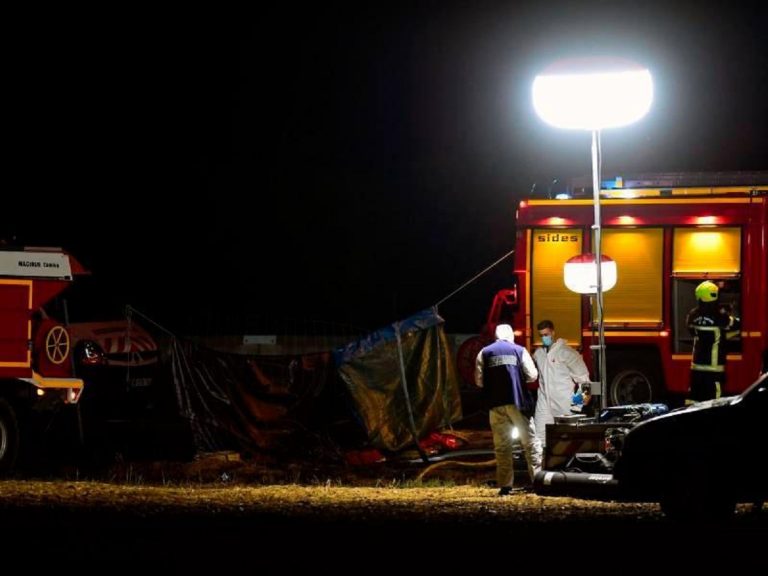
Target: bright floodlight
<point x="593" y="94"/>
<point x="580" y="273"/>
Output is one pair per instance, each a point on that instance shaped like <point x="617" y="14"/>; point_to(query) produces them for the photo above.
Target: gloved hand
<point x="577" y="401"/>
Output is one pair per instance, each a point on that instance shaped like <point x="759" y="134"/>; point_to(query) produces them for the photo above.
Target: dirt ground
<point x="223" y="511"/>
<point x="271" y="513"/>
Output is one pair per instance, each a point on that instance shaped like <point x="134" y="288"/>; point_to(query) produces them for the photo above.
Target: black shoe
<point x="505" y="491"/>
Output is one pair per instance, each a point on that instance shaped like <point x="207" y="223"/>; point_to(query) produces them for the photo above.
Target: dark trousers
<point x="705" y="386"/>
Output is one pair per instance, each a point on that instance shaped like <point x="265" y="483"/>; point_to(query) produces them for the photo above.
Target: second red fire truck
<point x="35" y="352"/>
<point x="667" y="233"/>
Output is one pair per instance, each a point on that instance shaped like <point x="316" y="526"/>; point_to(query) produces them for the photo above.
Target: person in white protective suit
<point x="502" y="370"/>
<point x="561" y="370"/>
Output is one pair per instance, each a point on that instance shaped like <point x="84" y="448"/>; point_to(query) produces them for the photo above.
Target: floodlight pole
<point x="598" y="250"/>
<point x="576" y="94"/>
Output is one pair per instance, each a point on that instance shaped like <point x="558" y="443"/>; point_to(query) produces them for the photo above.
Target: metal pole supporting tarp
<point x="408" y="406"/>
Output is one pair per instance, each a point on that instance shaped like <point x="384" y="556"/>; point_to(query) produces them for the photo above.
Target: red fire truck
<point x="35" y="364"/>
<point x="667" y="233"/>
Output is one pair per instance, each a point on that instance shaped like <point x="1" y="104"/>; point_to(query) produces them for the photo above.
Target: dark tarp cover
<point x="370" y="369"/>
<point x="238" y="401"/>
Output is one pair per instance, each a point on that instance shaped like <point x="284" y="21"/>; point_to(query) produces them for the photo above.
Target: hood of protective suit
<point x="505" y="332"/>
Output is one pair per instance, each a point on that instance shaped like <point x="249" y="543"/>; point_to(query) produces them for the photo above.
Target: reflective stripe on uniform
<point x="502" y="360"/>
<point x="707" y="368"/>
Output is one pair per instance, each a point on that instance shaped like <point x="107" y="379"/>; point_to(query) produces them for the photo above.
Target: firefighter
<point x="709" y="322"/>
<point x="499" y="370"/>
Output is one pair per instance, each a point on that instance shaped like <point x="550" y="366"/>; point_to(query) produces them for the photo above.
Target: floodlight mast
<point x="593" y="94"/>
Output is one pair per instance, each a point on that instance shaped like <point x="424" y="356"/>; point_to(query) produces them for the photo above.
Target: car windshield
<point x="759" y="386"/>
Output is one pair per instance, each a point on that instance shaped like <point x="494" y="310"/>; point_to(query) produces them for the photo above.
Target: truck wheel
<point x="9" y="437"/>
<point x="631" y="386"/>
<point x="633" y="379"/>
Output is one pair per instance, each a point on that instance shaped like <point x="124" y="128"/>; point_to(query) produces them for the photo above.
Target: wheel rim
<point x="631" y="387"/>
<point x="57" y="344"/>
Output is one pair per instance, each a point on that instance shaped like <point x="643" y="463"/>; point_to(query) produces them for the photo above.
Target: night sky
<point x="341" y="164"/>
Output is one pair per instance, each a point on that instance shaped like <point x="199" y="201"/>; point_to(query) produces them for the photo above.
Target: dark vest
<point x="709" y="324"/>
<point x="503" y="377"/>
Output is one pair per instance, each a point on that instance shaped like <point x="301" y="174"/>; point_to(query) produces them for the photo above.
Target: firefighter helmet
<point x="707" y="291"/>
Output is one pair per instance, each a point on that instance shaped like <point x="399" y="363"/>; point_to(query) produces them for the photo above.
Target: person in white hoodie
<point x="502" y="370"/>
<point x="561" y="371"/>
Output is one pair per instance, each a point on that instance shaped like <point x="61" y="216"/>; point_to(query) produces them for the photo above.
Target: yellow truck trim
<point x="689" y="357"/>
<point x="47" y="382"/>
<point x="656" y="333"/>
<point x="633" y="333"/>
<point x="26" y="364"/>
<point x="639" y="200"/>
<point x="528" y="334"/>
<point x="72" y="387"/>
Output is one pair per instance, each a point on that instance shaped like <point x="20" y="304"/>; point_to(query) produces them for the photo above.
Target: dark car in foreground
<point x="699" y="461"/>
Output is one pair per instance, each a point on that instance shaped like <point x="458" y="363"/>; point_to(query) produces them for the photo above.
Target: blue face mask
<point x="547" y="341"/>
